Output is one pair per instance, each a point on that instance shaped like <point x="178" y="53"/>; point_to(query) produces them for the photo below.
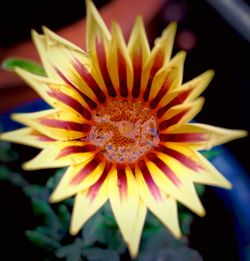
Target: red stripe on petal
<point x="164" y="168"/>
<point x="186" y="161"/>
<point x="66" y="125"/>
<point x="71" y="102"/>
<point x="93" y="190"/>
<point x="160" y="94"/>
<point x="177" y="100"/>
<point x="122" y="70"/>
<point x="41" y="137"/>
<point x="154" y="190"/>
<point x="158" y="61"/>
<point x="122" y="181"/>
<point x="137" y="69"/>
<point x="75" y="149"/>
<point x="101" y="57"/>
<point x="88" y="78"/>
<point x="87" y="170"/>
<point x="91" y="103"/>
<point x="172" y="121"/>
<point x="183" y="137"/>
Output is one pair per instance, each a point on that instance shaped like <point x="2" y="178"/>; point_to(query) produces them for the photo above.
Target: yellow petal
<point x="168" y="77"/>
<point x="138" y="41"/>
<point x="77" y="178"/>
<point x="179" y="115"/>
<point x="96" y="27"/>
<point x="60" y="40"/>
<point x="27" y="136"/>
<point x="139" y="51"/>
<point x="137" y="229"/>
<point x="61" y="154"/>
<point x="62" y="62"/>
<point x="198" y="84"/>
<point x="159" y="56"/>
<point x="55" y="93"/>
<point x="212" y="136"/>
<point x="60" y="125"/>
<point x="124" y="202"/>
<point x="198" y="168"/>
<point x="183" y="190"/>
<point x="212" y="176"/>
<point x="88" y="201"/>
<point x="185" y="93"/>
<point x="119" y="63"/>
<point x="163" y="207"/>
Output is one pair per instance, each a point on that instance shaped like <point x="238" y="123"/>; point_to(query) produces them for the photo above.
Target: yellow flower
<point x="120" y="122"/>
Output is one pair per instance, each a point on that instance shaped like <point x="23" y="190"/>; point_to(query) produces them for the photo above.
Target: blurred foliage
<point x="100" y="239"/>
<point x="11" y="63"/>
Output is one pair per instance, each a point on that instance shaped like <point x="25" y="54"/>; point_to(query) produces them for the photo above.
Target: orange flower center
<point x="124" y="131"/>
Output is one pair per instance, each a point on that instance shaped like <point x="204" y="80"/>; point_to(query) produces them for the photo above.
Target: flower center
<point x="124" y="131"/>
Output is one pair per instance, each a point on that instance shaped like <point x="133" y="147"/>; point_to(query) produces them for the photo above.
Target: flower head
<point x="120" y="122"/>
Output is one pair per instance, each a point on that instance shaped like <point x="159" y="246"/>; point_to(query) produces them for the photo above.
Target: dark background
<point x="218" y="46"/>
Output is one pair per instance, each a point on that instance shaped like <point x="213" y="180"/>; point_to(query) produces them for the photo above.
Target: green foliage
<point x="28" y="65"/>
<point x="42" y="240"/>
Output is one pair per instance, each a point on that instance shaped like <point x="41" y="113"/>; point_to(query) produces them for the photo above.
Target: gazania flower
<point x="120" y="121"/>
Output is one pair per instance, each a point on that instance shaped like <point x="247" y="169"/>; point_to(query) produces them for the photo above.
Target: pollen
<point x="124" y="131"/>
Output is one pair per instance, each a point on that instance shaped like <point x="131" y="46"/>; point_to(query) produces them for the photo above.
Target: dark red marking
<point x="183" y="137"/>
<point x="91" y="103"/>
<point x="137" y="69"/>
<point x="164" y="168"/>
<point x="66" y="125"/>
<point x="87" y="170"/>
<point x="163" y="90"/>
<point x="158" y="62"/>
<point x="122" y="181"/>
<point x="122" y="71"/>
<point x="186" y="161"/>
<point x="75" y="149"/>
<point x="172" y="121"/>
<point x="41" y="137"/>
<point x="153" y="188"/>
<point x="71" y="102"/>
<point x="94" y="189"/>
<point x="101" y="57"/>
<point x="88" y="78"/>
<point x="177" y="100"/>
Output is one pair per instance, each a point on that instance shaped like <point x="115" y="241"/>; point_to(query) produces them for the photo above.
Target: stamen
<point x="124" y="131"/>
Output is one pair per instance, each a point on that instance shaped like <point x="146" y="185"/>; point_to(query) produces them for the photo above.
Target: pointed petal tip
<point x="34" y="34"/>
<point x="15" y="116"/>
<point x="73" y="229"/>
<point x="172" y="26"/>
<point x="46" y="30"/>
<point x="210" y="73"/>
<point x="54" y="197"/>
<point x="200" y="211"/>
<point x="27" y="166"/>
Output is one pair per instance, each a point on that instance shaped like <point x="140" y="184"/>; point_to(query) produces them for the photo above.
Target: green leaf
<point x="42" y="240"/>
<point x="211" y="154"/>
<point x="200" y="189"/>
<point x="99" y="254"/>
<point x="6" y="152"/>
<point x="37" y="191"/>
<point x="4" y="172"/>
<point x="93" y="230"/>
<point x="28" y="65"/>
<point x="185" y="222"/>
<point x="71" y="252"/>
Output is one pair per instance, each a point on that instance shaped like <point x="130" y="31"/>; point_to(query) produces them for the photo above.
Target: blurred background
<point x="215" y="34"/>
